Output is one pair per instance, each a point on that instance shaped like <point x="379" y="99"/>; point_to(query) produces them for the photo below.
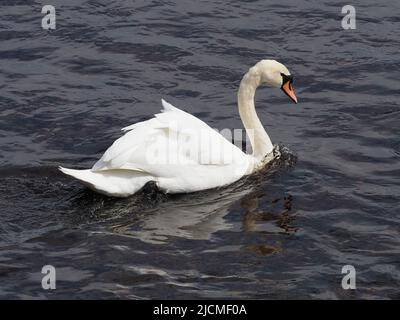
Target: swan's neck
<point x="260" y="141"/>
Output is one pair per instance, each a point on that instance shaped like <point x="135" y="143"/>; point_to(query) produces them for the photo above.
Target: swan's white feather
<point x="117" y="183"/>
<point x="212" y="161"/>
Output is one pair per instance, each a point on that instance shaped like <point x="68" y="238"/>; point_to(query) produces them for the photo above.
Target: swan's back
<point x="178" y="151"/>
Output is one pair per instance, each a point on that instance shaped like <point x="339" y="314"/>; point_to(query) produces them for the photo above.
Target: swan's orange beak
<point x="287" y="88"/>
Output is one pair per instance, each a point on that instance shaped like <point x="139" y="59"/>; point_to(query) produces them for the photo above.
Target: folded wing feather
<point x="172" y="139"/>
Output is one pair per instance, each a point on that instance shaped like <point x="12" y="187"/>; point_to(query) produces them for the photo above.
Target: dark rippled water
<point x="332" y="198"/>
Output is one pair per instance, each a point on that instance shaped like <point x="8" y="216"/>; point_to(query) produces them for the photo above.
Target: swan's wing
<point x="161" y="145"/>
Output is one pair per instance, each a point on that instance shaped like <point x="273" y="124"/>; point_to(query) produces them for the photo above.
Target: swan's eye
<point x="287" y="81"/>
<point x="287" y="78"/>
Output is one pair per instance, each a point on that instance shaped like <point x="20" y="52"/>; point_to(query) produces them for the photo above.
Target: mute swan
<point x="181" y="153"/>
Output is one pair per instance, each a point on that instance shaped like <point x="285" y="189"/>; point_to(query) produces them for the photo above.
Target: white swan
<point x="181" y="153"/>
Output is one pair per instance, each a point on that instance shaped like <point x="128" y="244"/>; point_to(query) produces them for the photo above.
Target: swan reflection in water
<point x="154" y="217"/>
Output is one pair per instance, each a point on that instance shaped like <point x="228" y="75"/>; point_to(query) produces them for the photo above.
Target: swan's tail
<point x="85" y="176"/>
<point x="116" y="183"/>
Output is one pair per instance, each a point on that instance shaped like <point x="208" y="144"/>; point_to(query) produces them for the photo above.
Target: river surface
<point x="331" y="199"/>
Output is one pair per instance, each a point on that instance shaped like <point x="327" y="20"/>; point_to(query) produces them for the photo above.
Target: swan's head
<point x="276" y="75"/>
